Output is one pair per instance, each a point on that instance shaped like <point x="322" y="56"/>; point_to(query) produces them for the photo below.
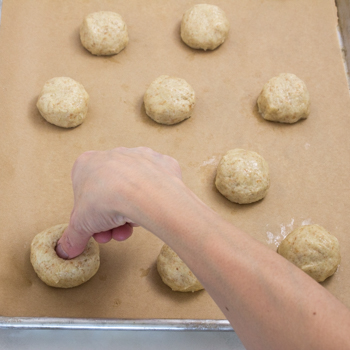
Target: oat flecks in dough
<point x="61" y="273"/>
<point x="63" y="102"/>
<point x="104" y="33"/>
<point x="242" y="176"/>
<point x="175" y="273"/>
<point x="169" y="100"/>
<point x="284" y="99"/>
<point x="313" y="249"/>
<point x="204" y="27"/>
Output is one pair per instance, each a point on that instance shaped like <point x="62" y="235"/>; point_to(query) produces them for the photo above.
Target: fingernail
<point x="60" y="252"/>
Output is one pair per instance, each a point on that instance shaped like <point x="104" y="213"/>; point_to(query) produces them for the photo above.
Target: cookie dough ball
<point x="169" y="100"/>
<point x="204" y="27"/>
<point x="175" y="273"/>
<point x="284" y="99"/>
<point x="104" y="33"/>
<point x="242" y="176"/>
<point x="61" y="273"/>
<point x="313" y="249"/>
<point x="63" y="102"/>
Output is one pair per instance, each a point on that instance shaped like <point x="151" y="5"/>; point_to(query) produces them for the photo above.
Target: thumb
<point x="71" y="244"/>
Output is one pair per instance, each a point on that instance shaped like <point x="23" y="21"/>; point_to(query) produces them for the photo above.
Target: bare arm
<point x="270" y="303"/>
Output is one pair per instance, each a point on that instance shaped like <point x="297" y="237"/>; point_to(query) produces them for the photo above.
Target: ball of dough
<point x="169" y="100"/>
<point x="61" y="273"/>
<point x="284" y="99"/>
<point x="313" y="249"/>
<point x="63" y="102"/>
<point x="104" y="33"/>
<point x="204" y="27"/>
<point x="175" y="273"/>
<point x="242" y="176"/>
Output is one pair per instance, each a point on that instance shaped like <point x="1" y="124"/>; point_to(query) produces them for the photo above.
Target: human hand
<point x="112" y="191"/>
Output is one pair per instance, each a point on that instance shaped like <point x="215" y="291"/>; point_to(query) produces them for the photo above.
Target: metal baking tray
<point x="114" y="324"/>
<point x="71" y="333"/>
<point x="12" y="328"/>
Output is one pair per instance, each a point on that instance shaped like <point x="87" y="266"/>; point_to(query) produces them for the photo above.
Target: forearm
<point x="270" y="303"/>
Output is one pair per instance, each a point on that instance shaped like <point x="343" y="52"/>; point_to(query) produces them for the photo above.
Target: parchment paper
<point x="309" y="161"/>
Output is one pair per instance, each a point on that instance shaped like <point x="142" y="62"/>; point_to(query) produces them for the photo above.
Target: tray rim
<point x="48" y="323"/>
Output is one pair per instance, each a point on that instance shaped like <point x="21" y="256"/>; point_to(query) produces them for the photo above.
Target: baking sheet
<point x="309" y="161"/>
<point x="343" y="7"/>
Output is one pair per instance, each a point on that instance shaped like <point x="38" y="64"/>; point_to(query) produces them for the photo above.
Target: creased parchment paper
<point x="309" y="161"/>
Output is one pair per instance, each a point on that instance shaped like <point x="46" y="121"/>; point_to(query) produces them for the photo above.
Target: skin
<point x="270" y="303"/>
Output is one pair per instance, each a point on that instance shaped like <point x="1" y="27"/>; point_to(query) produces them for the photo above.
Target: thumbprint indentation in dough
<point x="57" y="272"/>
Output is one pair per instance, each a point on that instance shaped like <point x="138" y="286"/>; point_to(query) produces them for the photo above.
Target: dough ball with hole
<point x="313" y="249"/>
<point x="169" y="100"/>
<point x="57" y="272"/>
<point x="284" y="99"/>
<point x="104" y="33"/>
<point x="175" y="273"/>
<point x="204" y="27"/>
<point x="63" y="102"/>
<point x="242" y="176"/>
